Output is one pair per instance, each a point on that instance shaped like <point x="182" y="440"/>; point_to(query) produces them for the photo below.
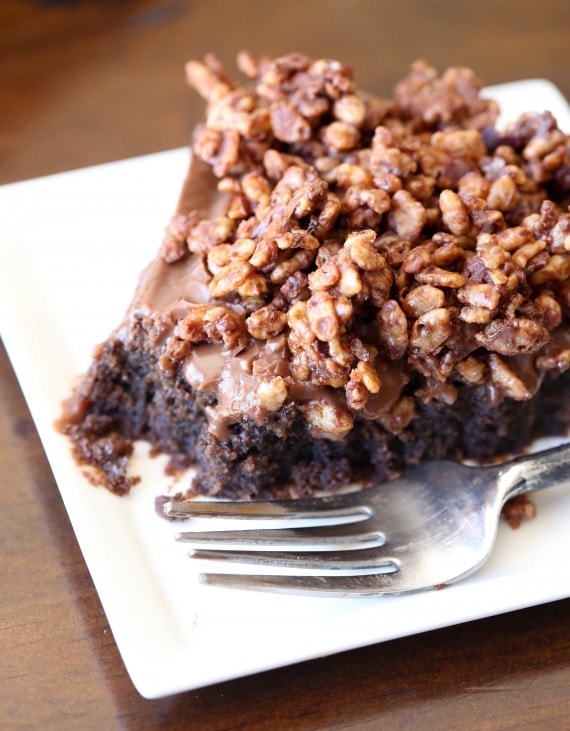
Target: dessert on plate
<point x="349" y="285"/>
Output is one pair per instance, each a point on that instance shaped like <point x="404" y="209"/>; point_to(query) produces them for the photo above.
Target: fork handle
<point x="537" y="471"/>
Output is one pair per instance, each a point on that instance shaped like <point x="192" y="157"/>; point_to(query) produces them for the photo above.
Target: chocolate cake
<point x="349" y="285"/>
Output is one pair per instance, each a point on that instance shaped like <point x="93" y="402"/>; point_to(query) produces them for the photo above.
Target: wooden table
<point x="88" y="82"/>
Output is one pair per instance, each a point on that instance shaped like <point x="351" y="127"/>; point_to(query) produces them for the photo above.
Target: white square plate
<point x="71" y="248"/>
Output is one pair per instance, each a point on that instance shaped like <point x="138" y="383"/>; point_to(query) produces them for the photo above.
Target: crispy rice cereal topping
<point x="368" y="231"/>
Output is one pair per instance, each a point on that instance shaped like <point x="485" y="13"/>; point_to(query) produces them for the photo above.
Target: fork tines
<point x="333" y="539"/>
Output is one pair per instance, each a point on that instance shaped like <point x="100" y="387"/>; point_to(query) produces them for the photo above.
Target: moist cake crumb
<point x="517" y="510"/>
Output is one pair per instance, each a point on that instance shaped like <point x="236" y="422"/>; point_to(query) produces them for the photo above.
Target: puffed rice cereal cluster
<point x="406" y="230"/>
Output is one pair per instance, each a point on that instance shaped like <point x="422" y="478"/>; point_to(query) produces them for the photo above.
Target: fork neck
<point x="533" y="472"/>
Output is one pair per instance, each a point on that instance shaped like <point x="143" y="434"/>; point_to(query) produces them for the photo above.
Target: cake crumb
<point x="517" y="510"/>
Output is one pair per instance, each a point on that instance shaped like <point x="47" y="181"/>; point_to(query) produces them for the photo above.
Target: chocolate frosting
<point x="162" y="285"/>
<point x="236" y="378"/>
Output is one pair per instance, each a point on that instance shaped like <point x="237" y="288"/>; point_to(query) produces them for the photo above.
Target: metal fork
<point x="426" y="530"/>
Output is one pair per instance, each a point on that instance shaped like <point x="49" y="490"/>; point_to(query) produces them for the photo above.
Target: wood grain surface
<point x="87" y="82"/>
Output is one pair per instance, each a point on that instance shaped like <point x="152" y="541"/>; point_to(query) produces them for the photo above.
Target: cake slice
<point x="349" y="285"/>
